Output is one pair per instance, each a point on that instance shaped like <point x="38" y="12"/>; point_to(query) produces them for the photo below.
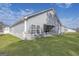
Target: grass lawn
<point x="62" y="45"/>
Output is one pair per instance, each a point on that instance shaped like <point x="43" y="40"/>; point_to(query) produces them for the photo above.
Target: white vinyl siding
<point x="18" y="30"/>
<point x="34" y="25"/>
<point x="37" y="20"/>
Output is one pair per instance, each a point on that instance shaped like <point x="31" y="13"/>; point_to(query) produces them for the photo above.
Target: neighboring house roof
<point x="34" y="14"/>
<point x="4" y="25"/>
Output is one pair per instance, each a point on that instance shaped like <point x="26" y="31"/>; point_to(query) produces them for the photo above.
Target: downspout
<point x="25" y="28"/>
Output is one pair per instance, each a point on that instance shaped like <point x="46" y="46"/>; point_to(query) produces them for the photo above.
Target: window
<point x="38" y="29"/>
<point x="35" y="29"/>
<point x="32" y="29"/>
<point x="47" y="28"/>
<point x="32" y="26"/>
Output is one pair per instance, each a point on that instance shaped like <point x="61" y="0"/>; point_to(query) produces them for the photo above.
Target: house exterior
<point x="39" y="24"/>
<point x="4" y="29"/>
<point x="67" y="30"/>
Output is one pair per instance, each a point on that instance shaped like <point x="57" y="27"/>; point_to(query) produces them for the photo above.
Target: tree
<point x="1" y="26"/>
<point x="77" y="29"/>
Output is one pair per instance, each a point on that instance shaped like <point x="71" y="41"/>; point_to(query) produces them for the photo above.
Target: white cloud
<point x="5" y="5"/>
<point x="64" y="5"/>
<point x="68" y="5"/>
<point x="9" y="16"/>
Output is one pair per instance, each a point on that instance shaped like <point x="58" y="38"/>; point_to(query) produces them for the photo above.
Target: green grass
<point x="61" y="45"/>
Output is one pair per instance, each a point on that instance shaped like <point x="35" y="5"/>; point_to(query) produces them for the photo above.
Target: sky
<point x="67" y="13"/>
